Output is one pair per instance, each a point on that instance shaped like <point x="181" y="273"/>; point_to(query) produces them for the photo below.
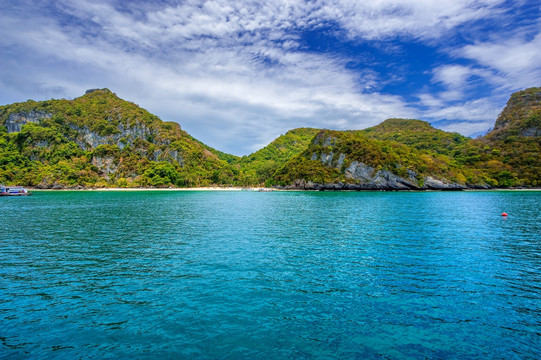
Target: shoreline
<point x="264" y="189"/>
<point x="211" y="188"/>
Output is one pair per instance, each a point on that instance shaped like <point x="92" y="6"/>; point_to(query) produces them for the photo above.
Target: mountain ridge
<point x="100" y="140"/>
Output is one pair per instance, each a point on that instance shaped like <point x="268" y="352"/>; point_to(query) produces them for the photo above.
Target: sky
<point x="238" y="74"/>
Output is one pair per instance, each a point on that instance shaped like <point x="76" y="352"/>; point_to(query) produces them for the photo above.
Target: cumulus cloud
<point x="469" y="128"/>
<point x="237" y="74"/>
<point x="474" y="111"/>
<point x="423" y="19"/>
<point x="514" y="62"/>
<point x="452" y="108"/>
<point x="505" y="63"/>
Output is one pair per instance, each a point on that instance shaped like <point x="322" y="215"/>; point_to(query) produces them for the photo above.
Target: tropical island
<point x="101" y="141"/>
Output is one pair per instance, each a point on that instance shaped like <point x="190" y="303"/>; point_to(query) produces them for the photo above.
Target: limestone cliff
<point x="352" y="161"/>
<point x="15" y="121"/>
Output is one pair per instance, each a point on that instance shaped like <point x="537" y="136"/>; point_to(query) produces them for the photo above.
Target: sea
<point x="274" y="275"/>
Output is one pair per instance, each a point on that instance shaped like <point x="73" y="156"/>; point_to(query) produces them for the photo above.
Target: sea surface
<point x="280" y="275"/>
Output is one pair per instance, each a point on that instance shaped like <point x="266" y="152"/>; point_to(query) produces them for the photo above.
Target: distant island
<point x="100" y="141"/>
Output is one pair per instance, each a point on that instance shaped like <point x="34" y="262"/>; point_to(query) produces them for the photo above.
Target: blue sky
<point x="237" y="74"/>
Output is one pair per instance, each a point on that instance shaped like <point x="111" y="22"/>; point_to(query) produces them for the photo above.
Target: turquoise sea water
<point x="296" y="275"/>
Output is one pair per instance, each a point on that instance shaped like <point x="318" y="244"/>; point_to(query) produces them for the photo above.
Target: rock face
<point x="107" y="165"/>
<point x="531" y="131"/>
<point x="89" y="140"/>
<point x="15" y="122"/>
<point x="361" y="176"/>
<point x="368" y="179"/>
<point x="382" y="179"/>
<point x="435" y="184"/>
<point x="381" y="183"/>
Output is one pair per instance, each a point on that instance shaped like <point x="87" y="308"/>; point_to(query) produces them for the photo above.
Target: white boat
<point x="13" y="191"/>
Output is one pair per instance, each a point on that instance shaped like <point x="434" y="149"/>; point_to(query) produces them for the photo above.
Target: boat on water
<point x="13" y="191"/>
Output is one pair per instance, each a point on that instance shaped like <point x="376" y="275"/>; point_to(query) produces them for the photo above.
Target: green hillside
<point x="352" y="158"/>
<point x="521" y="118"/>
<point x="101" y="140"/>
<point x="261" y="165"/>
<point x="515" y="141"/>
<point x="509" y="156"/>
<point x="417" y="134"/>
<point x="497" y="162"/>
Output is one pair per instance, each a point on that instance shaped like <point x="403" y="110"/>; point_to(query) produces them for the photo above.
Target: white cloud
<point x="458" y="81"/>
<point x="469" y="128"/>
<point x="477" y="110"/>
<point x="469" y="118"/>
<point x="452" y="75"/>
<point x="209" y="63"/>
<point x="424" y="19"/>
<point x="514" y="62"/>
<point x="501" y="65"/>
<point x="453" y="104"/>
<point x="233" y="73"/>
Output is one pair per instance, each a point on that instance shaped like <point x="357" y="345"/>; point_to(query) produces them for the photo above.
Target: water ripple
<point x="270" y="275"/>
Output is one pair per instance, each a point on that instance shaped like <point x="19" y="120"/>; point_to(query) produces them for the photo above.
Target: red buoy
<point x="504" y="214"/>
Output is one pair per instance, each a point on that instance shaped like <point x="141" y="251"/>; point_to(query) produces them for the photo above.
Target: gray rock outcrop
<point x="106" y="164"/>
<point x="366" y="177"/>
<point x="89" y="140"/>
<point x="15" y="121"/>
<point x="435" y="184"/>
<point x="126" y="135"/>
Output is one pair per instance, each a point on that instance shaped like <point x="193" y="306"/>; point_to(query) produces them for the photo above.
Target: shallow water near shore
<point x="280" y="275"/>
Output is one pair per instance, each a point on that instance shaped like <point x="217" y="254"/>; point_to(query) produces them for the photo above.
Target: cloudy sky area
<point x="237" y="74"/>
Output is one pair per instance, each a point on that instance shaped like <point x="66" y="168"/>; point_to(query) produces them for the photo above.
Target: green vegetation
<point x="100" y="140"/>
<point x="417" y="134"/>
<point x="259" y="167"/>
<point x="520" y="118"/>
<point x="355" y="146"/>
<point x="515" y="142"/>
<point x="508" y="156"/>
